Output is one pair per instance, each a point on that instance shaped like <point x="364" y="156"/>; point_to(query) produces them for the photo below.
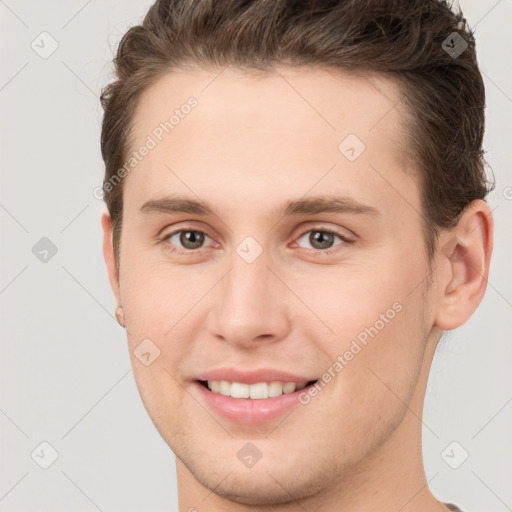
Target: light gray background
<point x="65" y="372"/>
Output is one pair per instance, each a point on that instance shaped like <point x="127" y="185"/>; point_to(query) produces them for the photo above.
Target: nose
<point x="252" y="305"/>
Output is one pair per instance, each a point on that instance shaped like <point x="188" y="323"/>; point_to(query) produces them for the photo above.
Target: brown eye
<point x="187" y="239"/>
<point x="321" y="239"/>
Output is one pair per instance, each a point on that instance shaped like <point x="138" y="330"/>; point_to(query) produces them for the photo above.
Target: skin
<point x="253" y="143"/>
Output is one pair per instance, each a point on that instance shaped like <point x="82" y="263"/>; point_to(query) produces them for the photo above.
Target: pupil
<point x="322" y="238"/>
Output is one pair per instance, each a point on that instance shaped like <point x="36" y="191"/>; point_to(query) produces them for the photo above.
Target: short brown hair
<point x="407" y="40"/>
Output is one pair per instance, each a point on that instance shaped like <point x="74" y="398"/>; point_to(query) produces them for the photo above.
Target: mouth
<point x="250" y="404"/>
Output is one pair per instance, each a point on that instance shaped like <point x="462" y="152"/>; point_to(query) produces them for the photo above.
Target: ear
<point x="108" y="254"/>
<point x="463" y="265"/>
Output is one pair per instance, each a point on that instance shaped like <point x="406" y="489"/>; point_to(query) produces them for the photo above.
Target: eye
<point x="189" y="239"/>
<point x="322" y="239"/>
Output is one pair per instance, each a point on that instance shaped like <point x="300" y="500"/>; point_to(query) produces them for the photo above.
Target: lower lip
<point x="247" y="410"/>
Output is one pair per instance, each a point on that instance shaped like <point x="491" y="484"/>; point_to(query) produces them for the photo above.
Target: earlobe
<point x="108" y="254"/>
<point x="464" y="266"/>
<point x="120" y="316"/>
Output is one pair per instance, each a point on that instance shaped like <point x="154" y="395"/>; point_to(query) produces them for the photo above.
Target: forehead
<point x="303" y="100"/>
<point x="263" y="133"/>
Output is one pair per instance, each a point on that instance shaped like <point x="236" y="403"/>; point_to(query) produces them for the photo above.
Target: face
<point x="305" y="263"/>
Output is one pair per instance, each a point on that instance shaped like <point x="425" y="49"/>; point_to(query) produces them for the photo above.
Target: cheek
<point x="352" y="302"/>
<point x="372" y="330"/>
<point x="156" y="295"/>
<point x="161" y="395"/>
<point x="162" y="304"/>
<point x="157" y="303"/>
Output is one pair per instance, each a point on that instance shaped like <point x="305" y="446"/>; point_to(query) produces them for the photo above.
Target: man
<point x="296" y="213"/>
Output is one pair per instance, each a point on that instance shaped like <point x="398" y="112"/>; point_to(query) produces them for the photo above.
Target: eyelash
<point x="316" y="252"/>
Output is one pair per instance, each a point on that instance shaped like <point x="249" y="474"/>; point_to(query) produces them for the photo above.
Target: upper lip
<point x="252" y="377"/>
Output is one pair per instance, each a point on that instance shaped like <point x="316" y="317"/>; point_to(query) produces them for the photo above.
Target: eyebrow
<point x="308" y="206"/>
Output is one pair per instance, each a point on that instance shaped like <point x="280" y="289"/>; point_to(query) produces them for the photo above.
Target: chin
<point x="270" y="482"/>
<point x="262" y="488"/>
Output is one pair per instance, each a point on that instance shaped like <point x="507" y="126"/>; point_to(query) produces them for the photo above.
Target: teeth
<point x="239" y="390"/>
<point x="275" y="389"/>
<point x="225" y="388"/>
<point x="258" y="391"/>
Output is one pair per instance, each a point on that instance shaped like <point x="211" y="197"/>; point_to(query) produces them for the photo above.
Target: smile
<point x="255" y="403"/>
